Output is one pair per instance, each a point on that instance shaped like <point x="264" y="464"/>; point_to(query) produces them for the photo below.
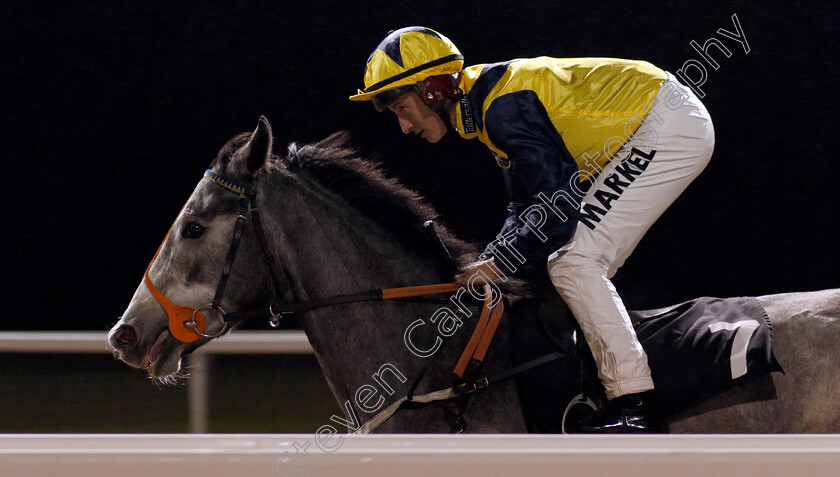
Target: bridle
<point x="188" y="324"/>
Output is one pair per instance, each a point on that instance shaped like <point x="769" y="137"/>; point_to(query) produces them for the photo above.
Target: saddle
<point x="695" y="349"/>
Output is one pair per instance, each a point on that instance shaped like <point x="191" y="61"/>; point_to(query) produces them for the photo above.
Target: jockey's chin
<point x="434" y="135"/>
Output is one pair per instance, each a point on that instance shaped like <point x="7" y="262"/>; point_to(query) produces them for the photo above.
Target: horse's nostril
<point x="127" y="335"/>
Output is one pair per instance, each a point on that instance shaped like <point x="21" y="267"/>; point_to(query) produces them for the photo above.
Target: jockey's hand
<point x="484" y="271"/>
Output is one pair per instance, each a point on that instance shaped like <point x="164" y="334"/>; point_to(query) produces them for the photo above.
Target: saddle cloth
<point x="695" y="350"/>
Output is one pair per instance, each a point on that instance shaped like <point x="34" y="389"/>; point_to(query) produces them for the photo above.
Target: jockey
<point x="593" y="150"/>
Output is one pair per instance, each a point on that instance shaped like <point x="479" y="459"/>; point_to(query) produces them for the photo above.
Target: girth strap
<point x="455" y="391"/>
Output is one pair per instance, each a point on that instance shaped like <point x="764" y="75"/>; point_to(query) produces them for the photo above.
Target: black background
<point x="112" y="111"/>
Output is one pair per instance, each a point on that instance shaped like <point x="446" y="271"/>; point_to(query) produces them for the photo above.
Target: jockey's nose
<point x="405" y="125"/>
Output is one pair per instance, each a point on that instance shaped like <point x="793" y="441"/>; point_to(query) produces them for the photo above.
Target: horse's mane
<point x="400" y="211"/>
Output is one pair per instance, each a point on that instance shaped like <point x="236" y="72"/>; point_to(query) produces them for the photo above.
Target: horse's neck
<point x="329" y="249"/>
<point x="332" y="249"/>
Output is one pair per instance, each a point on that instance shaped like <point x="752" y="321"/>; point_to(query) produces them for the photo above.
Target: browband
<point x="222" y="181"/>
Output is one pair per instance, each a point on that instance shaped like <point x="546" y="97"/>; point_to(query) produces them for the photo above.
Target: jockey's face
<point x="415" y="117"/>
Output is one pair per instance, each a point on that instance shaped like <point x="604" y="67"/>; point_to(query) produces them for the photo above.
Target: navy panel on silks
<point x="543" y="209"/>
<point x="490" y="75"/>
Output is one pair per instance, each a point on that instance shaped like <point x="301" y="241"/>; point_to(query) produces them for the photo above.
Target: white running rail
<point x="236" y="342"/>
<point x="423" y="455"/>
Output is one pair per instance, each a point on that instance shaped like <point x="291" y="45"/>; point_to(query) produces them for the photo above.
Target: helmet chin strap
<point x="442" y="108"/>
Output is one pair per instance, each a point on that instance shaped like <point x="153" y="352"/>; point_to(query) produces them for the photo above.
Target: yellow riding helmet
<point x="404" y="58"/>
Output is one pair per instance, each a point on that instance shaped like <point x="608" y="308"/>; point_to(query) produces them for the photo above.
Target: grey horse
<point x="336" y="225"/>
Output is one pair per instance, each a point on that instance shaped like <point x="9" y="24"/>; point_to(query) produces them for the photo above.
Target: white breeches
<point x="670" y="148"/>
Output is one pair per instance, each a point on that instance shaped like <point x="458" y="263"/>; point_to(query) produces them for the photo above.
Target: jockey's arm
<point x="543" y="209"/>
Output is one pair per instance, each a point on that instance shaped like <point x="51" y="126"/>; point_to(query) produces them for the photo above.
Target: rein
<point x="275" y="311"/>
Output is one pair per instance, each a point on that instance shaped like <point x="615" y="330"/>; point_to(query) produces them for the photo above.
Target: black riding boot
<point x="631" y="413"/>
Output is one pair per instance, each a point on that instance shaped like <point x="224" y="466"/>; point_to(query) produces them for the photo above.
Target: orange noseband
<point x="178" y="315"/>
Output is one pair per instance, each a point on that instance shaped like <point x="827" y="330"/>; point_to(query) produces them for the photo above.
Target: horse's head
<point x="184" y="275"/>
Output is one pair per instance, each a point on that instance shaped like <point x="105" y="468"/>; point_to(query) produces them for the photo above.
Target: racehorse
<point x="328" y="223"/>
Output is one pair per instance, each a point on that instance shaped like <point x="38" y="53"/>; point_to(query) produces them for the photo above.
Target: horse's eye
<point x="192" y="230"/>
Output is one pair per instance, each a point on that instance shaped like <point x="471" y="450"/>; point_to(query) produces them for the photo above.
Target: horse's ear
<point x="254" y="154"/>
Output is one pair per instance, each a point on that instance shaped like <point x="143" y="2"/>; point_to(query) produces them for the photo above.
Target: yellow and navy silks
<point x="549" y="122"/>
